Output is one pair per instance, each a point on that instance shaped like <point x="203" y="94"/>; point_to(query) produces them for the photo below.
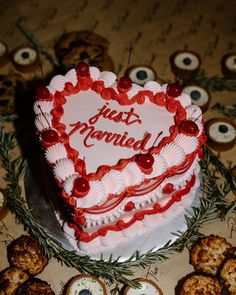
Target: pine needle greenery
<point x="212" y="206"/>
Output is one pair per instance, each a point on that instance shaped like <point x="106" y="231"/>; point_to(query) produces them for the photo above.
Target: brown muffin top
<point x="209" y="252"/>
<point x="26" y="253"/>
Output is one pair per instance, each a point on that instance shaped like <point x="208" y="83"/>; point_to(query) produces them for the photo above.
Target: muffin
<point x="196" y="284"/>
<point x="208" y="253"/>
<point x="228" y="275"/>
<point x="10" y="279"/>
<point x="35" y="286"/>
<point x="26" y="253"/>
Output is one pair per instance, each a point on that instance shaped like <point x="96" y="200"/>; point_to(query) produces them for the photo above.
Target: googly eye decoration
<point x="228" y="65"/>
<point x="199" y="96"/>
<point x="185" y="64"/>
<point x="221" y="134"/>
<point x="25" y="59"/>
<point x="3" y="54"/>
<point x="148" y="287"/>
<point x="141" y="74"/>
<point x="85" y="285"/>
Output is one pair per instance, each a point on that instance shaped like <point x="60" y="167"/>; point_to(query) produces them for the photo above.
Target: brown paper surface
<point x="155" y="29"/>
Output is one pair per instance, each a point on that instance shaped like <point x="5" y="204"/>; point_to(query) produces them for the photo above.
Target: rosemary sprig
<point x="212" y="83"/>
<point x="113" y="270"/>
<point x="227" y="110"/>
<point x="38" y="46"/>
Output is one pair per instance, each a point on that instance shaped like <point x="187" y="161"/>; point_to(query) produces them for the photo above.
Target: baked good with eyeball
<point x="25" y="59"/>
<point x="148" y="287"/>
<point x="85" y="285"/>
<point x="185" y="64"/>
<point x="141" y="74"/>
<point x="221" y="134"/>
<point x="228" y="65"/>
<point x="26" y="253"/>
<point x="199" y="96"/>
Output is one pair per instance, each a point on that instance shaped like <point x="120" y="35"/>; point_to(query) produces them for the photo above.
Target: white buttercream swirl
<point x="55" y="153"/>
<point x="132" y="174"/>
<point x="40" y="107"/>
<point x="188" y="143"/>
<point x="43" y="121"/>
<point x="114" y="182"/>
<point x="96" y="195"/>
<point x="173" y="154"/>
<point x="63" y="168"/>
<point x="159" y="166"/>
<point x="94" y="73"/>
<point x="135" y="89"/>
<point x="71" y="77"/>
<point x="193" y="112"/>
<point x="69" y="182"/>
<point x="153" y="86"/>
<point x="108" y="78"/>
<point x="184" y="99"/>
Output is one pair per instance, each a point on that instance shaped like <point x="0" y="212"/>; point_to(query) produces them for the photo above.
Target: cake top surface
<point x="106" y="136"/>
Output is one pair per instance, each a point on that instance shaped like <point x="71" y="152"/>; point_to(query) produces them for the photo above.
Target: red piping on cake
<point x="122" y="225"/>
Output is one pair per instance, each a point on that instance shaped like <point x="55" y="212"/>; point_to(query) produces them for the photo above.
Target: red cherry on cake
<point x="50" y="136"/>
<point x="174" y="90"/>
<point x="168" y="188"/>
<point x="189" y="127"/>
<point x="83" y="69"/>
<point x="145" y="161"/>
<point x="81" y="187"/>
<point x="124" y="84"/>
<point x="43" y="93"/>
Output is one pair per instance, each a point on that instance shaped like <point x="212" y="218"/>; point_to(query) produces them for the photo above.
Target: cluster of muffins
<point x="214" y="262"/>
<point x="26" y="260"/>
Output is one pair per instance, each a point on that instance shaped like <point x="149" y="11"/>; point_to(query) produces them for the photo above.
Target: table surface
<point x="155" y="29"/>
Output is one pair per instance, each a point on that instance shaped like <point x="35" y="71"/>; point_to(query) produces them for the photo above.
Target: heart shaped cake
<point x="122" y="154"/>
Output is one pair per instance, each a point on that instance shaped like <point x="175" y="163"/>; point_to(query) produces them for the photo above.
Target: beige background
<point x="155" y="29"/>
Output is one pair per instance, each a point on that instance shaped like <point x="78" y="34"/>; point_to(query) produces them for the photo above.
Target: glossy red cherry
<point x="124" y="84"/>
<point x="174" y="89"/>
<point x="81" y="187"/>
<point x="83" y="69"/>
<point x="43" y="93"/>
<point x="50" y="136"/>
<point x="189" y="127"/>
<point x="129" y="206"/>
<point x="168" y="188"/>
<point x="145" y="161"/>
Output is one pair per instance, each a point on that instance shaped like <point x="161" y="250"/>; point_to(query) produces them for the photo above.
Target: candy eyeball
<point x="228" y="65"/>
<point x="85" y="285"/>
<point x="185" y="64"/>
<point x="221" y="134"/>
<point x="25" y="59"/>
<point x="141" y="74"/>
<point x="148" y="287"/>
<point x="199" y="96"/>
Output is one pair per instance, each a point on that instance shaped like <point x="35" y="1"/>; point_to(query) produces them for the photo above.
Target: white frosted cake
<point x="123" y="155"/>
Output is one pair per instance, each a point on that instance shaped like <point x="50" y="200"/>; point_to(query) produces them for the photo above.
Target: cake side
<point x="92" y="109"/>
